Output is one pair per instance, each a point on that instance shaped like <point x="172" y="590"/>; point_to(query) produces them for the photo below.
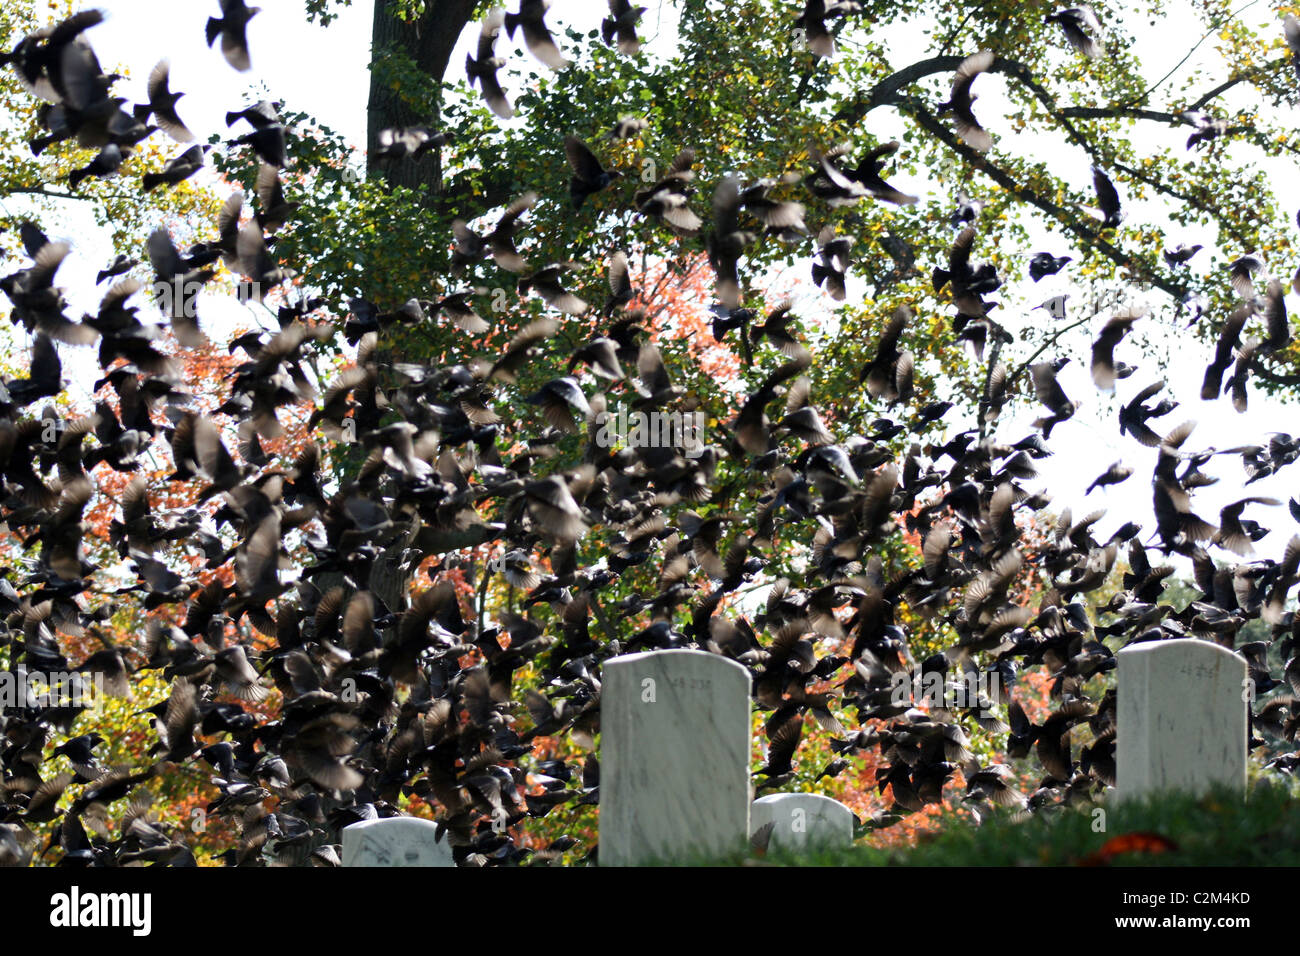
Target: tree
<point x="1104" y="111"/>
<point x="411" y="35"/>
<point x="370" y="612"/>
<point x="35" y="173"/>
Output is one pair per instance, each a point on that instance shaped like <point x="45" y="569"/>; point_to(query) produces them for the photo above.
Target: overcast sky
<point x="322" y="71"/>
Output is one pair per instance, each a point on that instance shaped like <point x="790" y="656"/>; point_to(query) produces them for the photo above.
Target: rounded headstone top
<point x="395" y="841"/>
<point x="677" y="656"/>
<point x="804" y="799"/>
<point x="411" y="823"/>
<point x="798" y="820"/>
<point x="1180" y="645"/>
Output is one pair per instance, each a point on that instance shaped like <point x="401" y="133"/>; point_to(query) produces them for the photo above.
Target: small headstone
<point x="395" y="841"/>
<point x="674" y="761"/>
<point x="1182" y="718"/>
<point x="803" y="821"/>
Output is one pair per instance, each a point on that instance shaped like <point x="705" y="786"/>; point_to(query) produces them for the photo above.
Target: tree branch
<point x="1021" y="73"/>
<point x="1072" y="224"/>
<point x="44" y="191"/>
<point x="1275" y="378"/>
<point x="887" y="93"/>
<point x="1215" y="28"/>
<point x="1046" y="344"/>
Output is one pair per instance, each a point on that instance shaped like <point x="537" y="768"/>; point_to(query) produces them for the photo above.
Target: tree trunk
<point x="428" y="40"/>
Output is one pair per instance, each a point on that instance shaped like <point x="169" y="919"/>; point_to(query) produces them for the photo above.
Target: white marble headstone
<point x="395" y="841"/>
<point x="674" y="761"/>
<point x="803" y="820"/>
<point x="1182" y="718"/>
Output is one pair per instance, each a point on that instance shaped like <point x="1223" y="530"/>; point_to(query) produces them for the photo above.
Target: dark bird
<point x="80" y="752"/>
<point x="961" y="100"/>
<point x="839" y="186"/>
<point x="811" y="23"/>
<point x="1046" y="264"/>
<point x="232" y="28"/>
<point x="537" y="37"/>
<point x="1208" y="128"/>
<point x="621" y="290"/>
<point x="259" y="116"/>
<point x="499" y="243"/>
<point x="1180" y="254"/>
<point x="162" y="104"/>
<point x="273" y="210"/>
<point x="620" y="26"/>
<point x="868" y="175"/>
<point x="44" y="375"/>
<point x="1081" y="26"/>
<point x="1108" y="210"/>
<point x="105" y="163"/>
<point x="1224" y="349"/>
<point x="833" y="269"/>
<point x="1241" y="274"/>
<point x="177" y="169"/>
<point x="456" y="306"/>
<point x="1113" y="475"/>
<point x="589" y="176"/>
<point x="783" y="741"/>
<point x="546" y="282"/>
<point x="1049" y="392"/>
<point x="1238" y="534"/>
<point x="1275" y="318"/>
<point x="776" y="329"/>
<point x="889" y="373"/>
<point x="1103" y="348"/>
<point x="727" y="242"/>
<point x="781" y="218"/>
<point x="1291" y="33"/>
<point x="1176" y="524"/>
<point x="668" y="198"/>
<point x="121" y="265"/>
<point x="482" y="67"/>
<point x="410" y="142"/>
<point x="268" y="142"/>
<point x="831" y="183"/>
<point x="627" y="127"/>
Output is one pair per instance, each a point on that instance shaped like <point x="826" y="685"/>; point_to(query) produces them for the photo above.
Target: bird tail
<point x="578" y="191"/>
<point x="213" y="29"/>
<point x="512" y="21"/>
<point x="150" y="180"/>
<point x="1212" y="385"/>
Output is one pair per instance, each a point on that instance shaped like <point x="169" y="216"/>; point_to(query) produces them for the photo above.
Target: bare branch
<point x="1065" y="217"/>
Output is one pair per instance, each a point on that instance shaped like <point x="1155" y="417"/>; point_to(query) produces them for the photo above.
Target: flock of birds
<point x="415" y="697"/>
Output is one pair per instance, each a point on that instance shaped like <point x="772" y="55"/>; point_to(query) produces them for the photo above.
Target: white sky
<point x="323" y="72"/>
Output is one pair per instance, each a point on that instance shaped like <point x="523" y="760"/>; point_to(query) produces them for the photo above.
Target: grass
<point x="1221" y="829"/>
